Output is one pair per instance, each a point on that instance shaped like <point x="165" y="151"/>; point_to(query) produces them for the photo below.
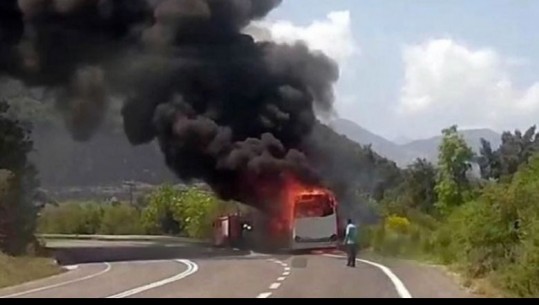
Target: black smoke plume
<point x="225" y="109"/>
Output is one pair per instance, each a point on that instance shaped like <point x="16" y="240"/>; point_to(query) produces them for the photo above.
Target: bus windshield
<point x="313" y="206"/>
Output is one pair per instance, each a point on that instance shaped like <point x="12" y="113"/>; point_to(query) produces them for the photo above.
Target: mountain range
<point x="406" y="151"/>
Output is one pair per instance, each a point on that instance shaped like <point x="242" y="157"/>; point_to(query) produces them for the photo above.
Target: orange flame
<point x="293" y="191"/>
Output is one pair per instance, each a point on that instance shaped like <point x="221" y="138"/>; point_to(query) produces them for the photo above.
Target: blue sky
<point x="421" y="65"/>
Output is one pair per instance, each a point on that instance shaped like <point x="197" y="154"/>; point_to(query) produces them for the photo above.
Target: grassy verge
<point x="425" y="242"/>
<point x="18" y="270"/>
<point x="444" y="246"/>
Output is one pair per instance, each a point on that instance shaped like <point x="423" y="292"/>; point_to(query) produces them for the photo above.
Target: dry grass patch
<point x="18" y="270"/>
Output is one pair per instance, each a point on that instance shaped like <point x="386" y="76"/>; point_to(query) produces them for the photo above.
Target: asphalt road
<point x="146" y="269"/>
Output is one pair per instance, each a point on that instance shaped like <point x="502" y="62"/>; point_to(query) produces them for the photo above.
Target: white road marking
<point x="399" y="286"/>
<point x="191" y="269"/>
<point x="91" y="276"/>
<point x="282" y="278"/>
<point x="264" y="295"/>
<point x="71" y="268"/>
<point x="142" y="262"/>
<point x="255" y="254"/>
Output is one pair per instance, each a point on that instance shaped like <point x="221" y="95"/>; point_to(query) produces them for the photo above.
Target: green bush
<point x="479" y="235"/>
<point x="191" y="210"/>
<point x="71" y="218"/>
<point x="397" y="236"/>
<point x="168" y="210"/>
<point x="197" y="209"/>
<point x="494" y="236"/>
<point x="365" y="238"/>
<point x="521" y="277"/>
<point x="489" y="229"/>
<point x="158" y="215"/>
<point x="90" y="218"/>
<point x="121" y="220"/>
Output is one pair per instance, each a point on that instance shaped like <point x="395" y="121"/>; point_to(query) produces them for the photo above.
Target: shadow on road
<point x="69" y="252"/>
<point x="98" y="254"/>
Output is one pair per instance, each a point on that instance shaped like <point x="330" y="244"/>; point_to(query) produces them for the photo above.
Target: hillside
<point x="406" y="153"/>
<point x="106" y="160"/>
<point x="380" y="145"/>
<point x="104" y="163"/>
<point x="428" y="148"/>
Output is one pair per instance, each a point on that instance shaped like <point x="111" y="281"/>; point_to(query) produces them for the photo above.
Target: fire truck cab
<point x="228" y="230"/>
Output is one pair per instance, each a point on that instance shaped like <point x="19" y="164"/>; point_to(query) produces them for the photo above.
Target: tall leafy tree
<point x="515" y="150"/>
<point x="453" y="164"/>
<point x="416" y="192"/>
<point x="17" y="211"/>
<point x="489" y="161"/>
<point x="158" y="216"/>
<point x="420" y="180"/>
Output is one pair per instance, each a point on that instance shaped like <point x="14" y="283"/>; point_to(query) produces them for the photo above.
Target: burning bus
<point x="315" y="223"/>
<point x="302" y="218"/>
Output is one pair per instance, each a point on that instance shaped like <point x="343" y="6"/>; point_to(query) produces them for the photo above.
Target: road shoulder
<point x="425" y="280"/>
<point x="45" y="283"/>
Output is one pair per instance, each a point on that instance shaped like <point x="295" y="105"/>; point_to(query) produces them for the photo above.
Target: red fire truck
<point x="227" y="230"/>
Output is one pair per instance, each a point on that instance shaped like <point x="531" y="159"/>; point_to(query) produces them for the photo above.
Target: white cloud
<point x="332" y="36"/>
<point x="449" y="83"/>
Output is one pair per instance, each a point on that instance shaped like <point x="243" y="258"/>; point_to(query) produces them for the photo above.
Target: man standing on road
<point x="350" y="242"/>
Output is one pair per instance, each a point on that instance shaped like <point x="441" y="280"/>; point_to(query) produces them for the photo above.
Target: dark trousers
<point x="351" y="251"/>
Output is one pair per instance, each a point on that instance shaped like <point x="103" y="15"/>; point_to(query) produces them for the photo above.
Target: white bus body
<point x="315" y="224"/>
<point x="315" y="233"/>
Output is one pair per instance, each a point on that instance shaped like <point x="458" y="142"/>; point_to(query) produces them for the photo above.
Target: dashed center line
<point x="277" y="284"/>
<point x="264" y="295"/>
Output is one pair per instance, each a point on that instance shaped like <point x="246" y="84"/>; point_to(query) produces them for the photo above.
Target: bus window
<point x="315" y="206"/>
